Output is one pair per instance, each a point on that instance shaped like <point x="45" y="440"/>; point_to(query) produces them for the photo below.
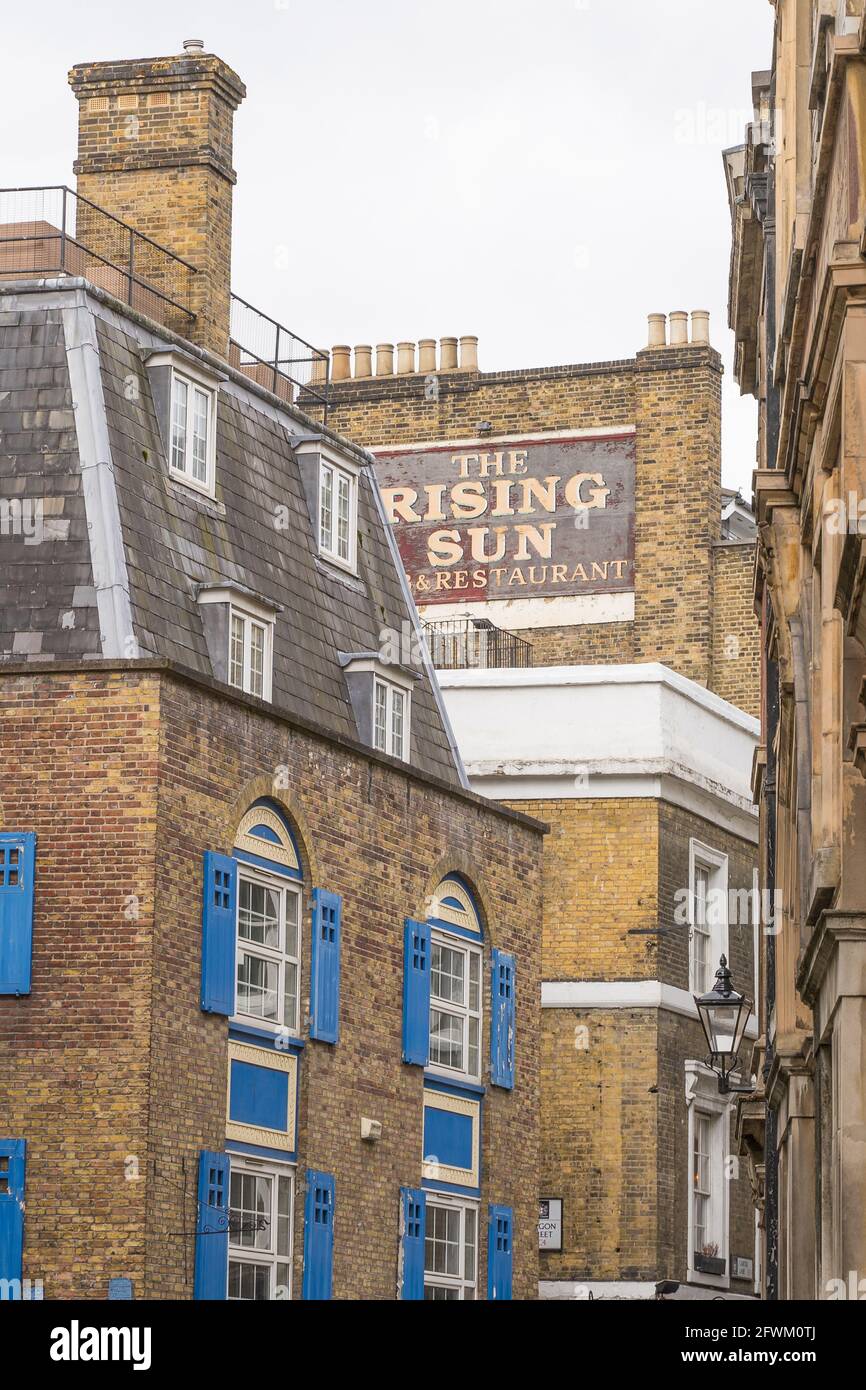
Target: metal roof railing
<point x="278" y="359"/>
<point x="459" y="644"/>
<point x="52" y="230"/>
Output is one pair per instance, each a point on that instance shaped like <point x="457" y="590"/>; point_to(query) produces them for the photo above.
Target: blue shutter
<point x="416" y="993"/>
<point x="212" y="1227"/>
<point x="318" y="1236"/>
<point x="17" y="864"/>
<point x="499" y="1256"/>
<point x="219" y="930"/>
<point x="325" y="966"/>
<point x="413" y="1224"/>
<point x="11" y="1214"/>
<point x="502" y="1021"/>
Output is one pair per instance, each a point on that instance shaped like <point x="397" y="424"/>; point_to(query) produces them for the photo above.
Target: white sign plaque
<point x="550" y="1223"/>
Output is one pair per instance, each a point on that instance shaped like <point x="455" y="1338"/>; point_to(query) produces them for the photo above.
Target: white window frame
<point x="715" y="864"/>
<point x="469" y="949"/>
<point x="278" y="954"/>
<point x="702" y="1098"/>
<point x="339" y="471"/>
<point x="251" y="620"/>
<point x="466" y="1283"/>
<point x="238" y="1254"/>
<point x="193" y="381"/>
<point x="391" y="689"/>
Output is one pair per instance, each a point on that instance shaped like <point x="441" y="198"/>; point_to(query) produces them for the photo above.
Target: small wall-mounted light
<point x="371" y="1130"/>
<point x="484" y="427"/>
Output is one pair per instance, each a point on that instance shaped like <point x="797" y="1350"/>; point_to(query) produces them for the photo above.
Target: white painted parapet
<point x="560" y="732"/>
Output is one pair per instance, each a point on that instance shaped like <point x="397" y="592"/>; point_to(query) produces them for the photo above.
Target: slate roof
<point x="47" y="599"/>
<point x="174" y="540"/>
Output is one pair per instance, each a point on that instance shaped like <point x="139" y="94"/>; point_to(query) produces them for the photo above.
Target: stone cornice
<point x="786" y="1064"/>
<point x="834" y="927"/>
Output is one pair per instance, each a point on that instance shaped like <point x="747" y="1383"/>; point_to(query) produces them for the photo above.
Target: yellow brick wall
<point x="599" y="1141"/>
<point x="601" y="861"/>
<point x="111" y="1071"/>
<point x="598" y="1111"/>
<point x="614" y="1123"/>
<point x="74" y="1054"/>
<point x="736" y="633"/>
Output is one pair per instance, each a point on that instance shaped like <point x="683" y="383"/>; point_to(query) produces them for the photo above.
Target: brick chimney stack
<point x="155" y="149"/>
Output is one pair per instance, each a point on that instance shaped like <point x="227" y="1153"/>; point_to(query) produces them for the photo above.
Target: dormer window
<point x="330" y="479"/>
<point x="391" y="719"/>
<point x="239" y="631"/>
<point x="192" y="413"/>
<point x="338" y="513"/>
<point x="250" y="653"/>
<point x="381" y="696"/>
<point x="185" y="397"/>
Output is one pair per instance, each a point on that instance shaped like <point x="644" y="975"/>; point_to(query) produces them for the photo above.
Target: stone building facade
<point x="269" y="969"/>
<point x="798" y="310"/>
<point x="586" y="585"/>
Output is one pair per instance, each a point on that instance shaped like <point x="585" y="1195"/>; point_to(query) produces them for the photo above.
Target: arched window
<point x="456" y="1006"/>
<point x="270" y="913"/>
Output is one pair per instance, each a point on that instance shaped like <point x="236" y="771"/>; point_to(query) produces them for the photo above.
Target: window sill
<point x="332" y="569"/>
<point x="457" y="1083"/>
<point x="707" y="1281"/>
<point x="290" y="1041"/>
<point x="266" y="699"/>
<point x="190" y="492"/>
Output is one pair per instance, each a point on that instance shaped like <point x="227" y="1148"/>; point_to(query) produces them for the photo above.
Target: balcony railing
<point x="459" y="644"/>
<point x="54" y="231"/>
<point x="278" y="359"/>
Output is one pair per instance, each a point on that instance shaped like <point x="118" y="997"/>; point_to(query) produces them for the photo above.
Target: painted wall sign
<point x="512" y="518"/>
<point x="550" y="1223"/>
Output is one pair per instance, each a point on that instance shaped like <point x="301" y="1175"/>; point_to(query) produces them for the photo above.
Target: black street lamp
<point x="724" y="1014"/>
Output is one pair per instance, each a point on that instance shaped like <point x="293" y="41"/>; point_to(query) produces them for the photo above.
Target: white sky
<point x="543" y="175"/>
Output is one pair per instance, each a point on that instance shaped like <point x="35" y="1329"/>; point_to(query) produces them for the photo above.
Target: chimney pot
<point x="447" y="354"/>
<point x="426" y="355"/>
<point x="469" y="354"/>
<point x="363" y="360"/>
<point x="341" y="369"/>
<point x="405" y="358"/>
<point x="701" y="327"/>
<point x="679" y="328"/>
<point x="193" y="45"/>
<point x="384" y="359"/>
<point x="657" y="330"/>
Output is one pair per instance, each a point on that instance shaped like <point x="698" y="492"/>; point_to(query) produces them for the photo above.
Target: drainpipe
<point x="771" y="1164"/>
